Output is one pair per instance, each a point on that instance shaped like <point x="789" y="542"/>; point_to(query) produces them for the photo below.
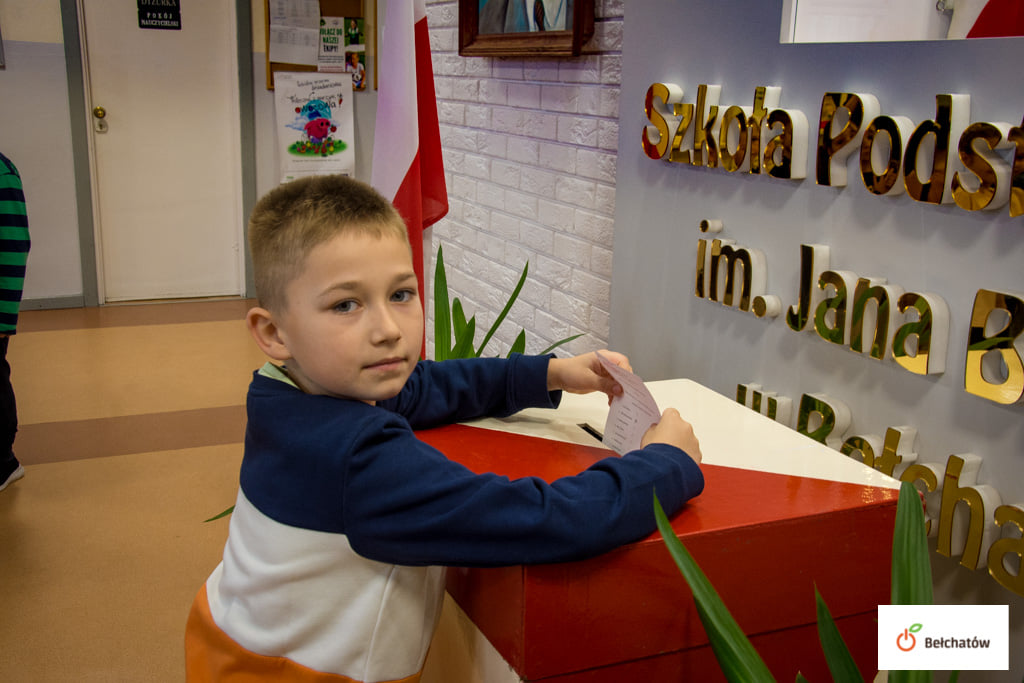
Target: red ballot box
<point x="765" y="540"/>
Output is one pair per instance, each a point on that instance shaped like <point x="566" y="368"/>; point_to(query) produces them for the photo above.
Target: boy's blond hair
<point x="290" y="220"/>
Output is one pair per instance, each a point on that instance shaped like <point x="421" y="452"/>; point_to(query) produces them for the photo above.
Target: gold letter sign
<point x="984" y="374"/>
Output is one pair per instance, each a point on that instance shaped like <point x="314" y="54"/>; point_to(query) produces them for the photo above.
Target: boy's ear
<point x="264" y="330"/>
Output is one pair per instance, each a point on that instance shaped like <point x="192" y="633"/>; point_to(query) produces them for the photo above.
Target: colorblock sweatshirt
<point x="333" y="568"/>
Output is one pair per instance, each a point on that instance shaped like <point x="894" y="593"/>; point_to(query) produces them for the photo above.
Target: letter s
<point x="659" y="105"/>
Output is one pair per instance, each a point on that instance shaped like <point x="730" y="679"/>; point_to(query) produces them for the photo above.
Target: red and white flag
<point x="986" y="19"/>
<point x="407" y="164"/>
<point x="999" y="18"/>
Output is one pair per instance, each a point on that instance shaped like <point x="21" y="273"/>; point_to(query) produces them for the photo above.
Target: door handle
<point x="99" y="119"/>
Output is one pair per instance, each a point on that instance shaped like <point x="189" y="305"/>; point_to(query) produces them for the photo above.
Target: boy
<point x="333" y="568"/>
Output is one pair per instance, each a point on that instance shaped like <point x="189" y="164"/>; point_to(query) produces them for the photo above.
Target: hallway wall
<point x="35" y="133"/>
<point x="530" y="149"/>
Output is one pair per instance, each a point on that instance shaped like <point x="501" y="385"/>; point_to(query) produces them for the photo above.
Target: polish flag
<point x="407" y="164"/>
<point x="986" y="19"/>
<point x="999" y="18"/>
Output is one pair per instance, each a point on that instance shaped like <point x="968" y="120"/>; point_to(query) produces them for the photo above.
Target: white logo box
<point x="943" y="637"/>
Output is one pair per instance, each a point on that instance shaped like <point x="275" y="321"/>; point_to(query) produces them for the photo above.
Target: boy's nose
<point x="385" y="326"/>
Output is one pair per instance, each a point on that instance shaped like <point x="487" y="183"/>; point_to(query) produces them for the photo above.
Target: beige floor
<point x="131" y="426"/>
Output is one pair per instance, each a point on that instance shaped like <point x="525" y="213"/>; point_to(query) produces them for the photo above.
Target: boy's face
<point x="353" y="326"/>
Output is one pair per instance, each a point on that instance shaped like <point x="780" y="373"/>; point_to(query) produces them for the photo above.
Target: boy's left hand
<point x="584" y="374"/>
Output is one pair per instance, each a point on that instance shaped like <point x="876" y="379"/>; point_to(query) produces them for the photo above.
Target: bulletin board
<point x="366" y="9"/>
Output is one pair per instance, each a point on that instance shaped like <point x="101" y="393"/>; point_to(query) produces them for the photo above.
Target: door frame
<point x="81" y="123"/>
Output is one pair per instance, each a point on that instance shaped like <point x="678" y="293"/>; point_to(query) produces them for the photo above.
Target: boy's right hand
<point x="675" y="431"/>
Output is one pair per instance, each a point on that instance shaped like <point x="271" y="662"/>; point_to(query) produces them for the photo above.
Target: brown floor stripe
<point x="78" y="440"/>
<point x="122" y="315"/>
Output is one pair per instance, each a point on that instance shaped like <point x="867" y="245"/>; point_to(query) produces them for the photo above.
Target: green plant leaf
<point x="519" y="345"/>
<point x="454" y="335"/>
<point x="504" y="312"/>
<point x="911" y="569"/>
<point x="458" y="319"/>
<point x="736" y="656"/>
<point x="464" y="341"/>
<point x="442" y="311"/>
<point x="223" y="514"/>
<point x="840" y="662"/>
<point x="800" y="678"/>
<point x="559" y="343"/>
<point x="464" y="331"/>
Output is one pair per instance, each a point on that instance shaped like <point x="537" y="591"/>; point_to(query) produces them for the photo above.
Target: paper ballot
<point x="631" y="414"/>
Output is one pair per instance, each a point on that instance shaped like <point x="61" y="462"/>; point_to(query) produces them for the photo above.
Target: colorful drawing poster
<point x="315" y="128"/>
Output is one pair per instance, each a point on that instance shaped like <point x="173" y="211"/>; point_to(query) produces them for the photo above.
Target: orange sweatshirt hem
<point x="211" y="656"/>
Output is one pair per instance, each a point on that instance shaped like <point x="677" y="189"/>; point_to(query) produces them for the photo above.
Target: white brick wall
<point x="530" y="149"/>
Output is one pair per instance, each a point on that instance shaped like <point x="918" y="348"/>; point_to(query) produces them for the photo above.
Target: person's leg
<point x="10" y="469"/>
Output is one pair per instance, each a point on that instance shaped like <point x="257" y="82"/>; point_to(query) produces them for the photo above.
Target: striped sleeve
<point x="14" y="245"/>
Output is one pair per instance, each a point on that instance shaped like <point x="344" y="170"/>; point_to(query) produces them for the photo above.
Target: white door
<point x="166" y="158"/>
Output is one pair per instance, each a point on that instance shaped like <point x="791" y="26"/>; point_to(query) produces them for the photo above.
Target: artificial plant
<point x="454" y="335"/>
<point x="450" y="325"/>
<point x="740" y="662"/>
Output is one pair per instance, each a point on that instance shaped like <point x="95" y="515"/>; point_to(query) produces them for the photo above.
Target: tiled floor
<point x="131" y="426"/>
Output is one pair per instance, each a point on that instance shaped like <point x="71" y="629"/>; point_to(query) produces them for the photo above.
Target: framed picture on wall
<point x="524" y="28"/>
<point x="1" y="50"/>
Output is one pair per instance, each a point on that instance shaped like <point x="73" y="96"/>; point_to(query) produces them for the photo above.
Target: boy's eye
<point x="345" y="306"/>
<point x="403" y="295"/>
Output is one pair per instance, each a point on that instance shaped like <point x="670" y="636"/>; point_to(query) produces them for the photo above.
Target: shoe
<point x="9" y="475"/>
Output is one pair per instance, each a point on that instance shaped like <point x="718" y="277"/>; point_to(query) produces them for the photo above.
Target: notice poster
<point x="343" y="48"/>
<point x="159" y="14"/>
<point x="294" y="27"/>
<point x="332" y="44"/>
<point x="315" y="127"/>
